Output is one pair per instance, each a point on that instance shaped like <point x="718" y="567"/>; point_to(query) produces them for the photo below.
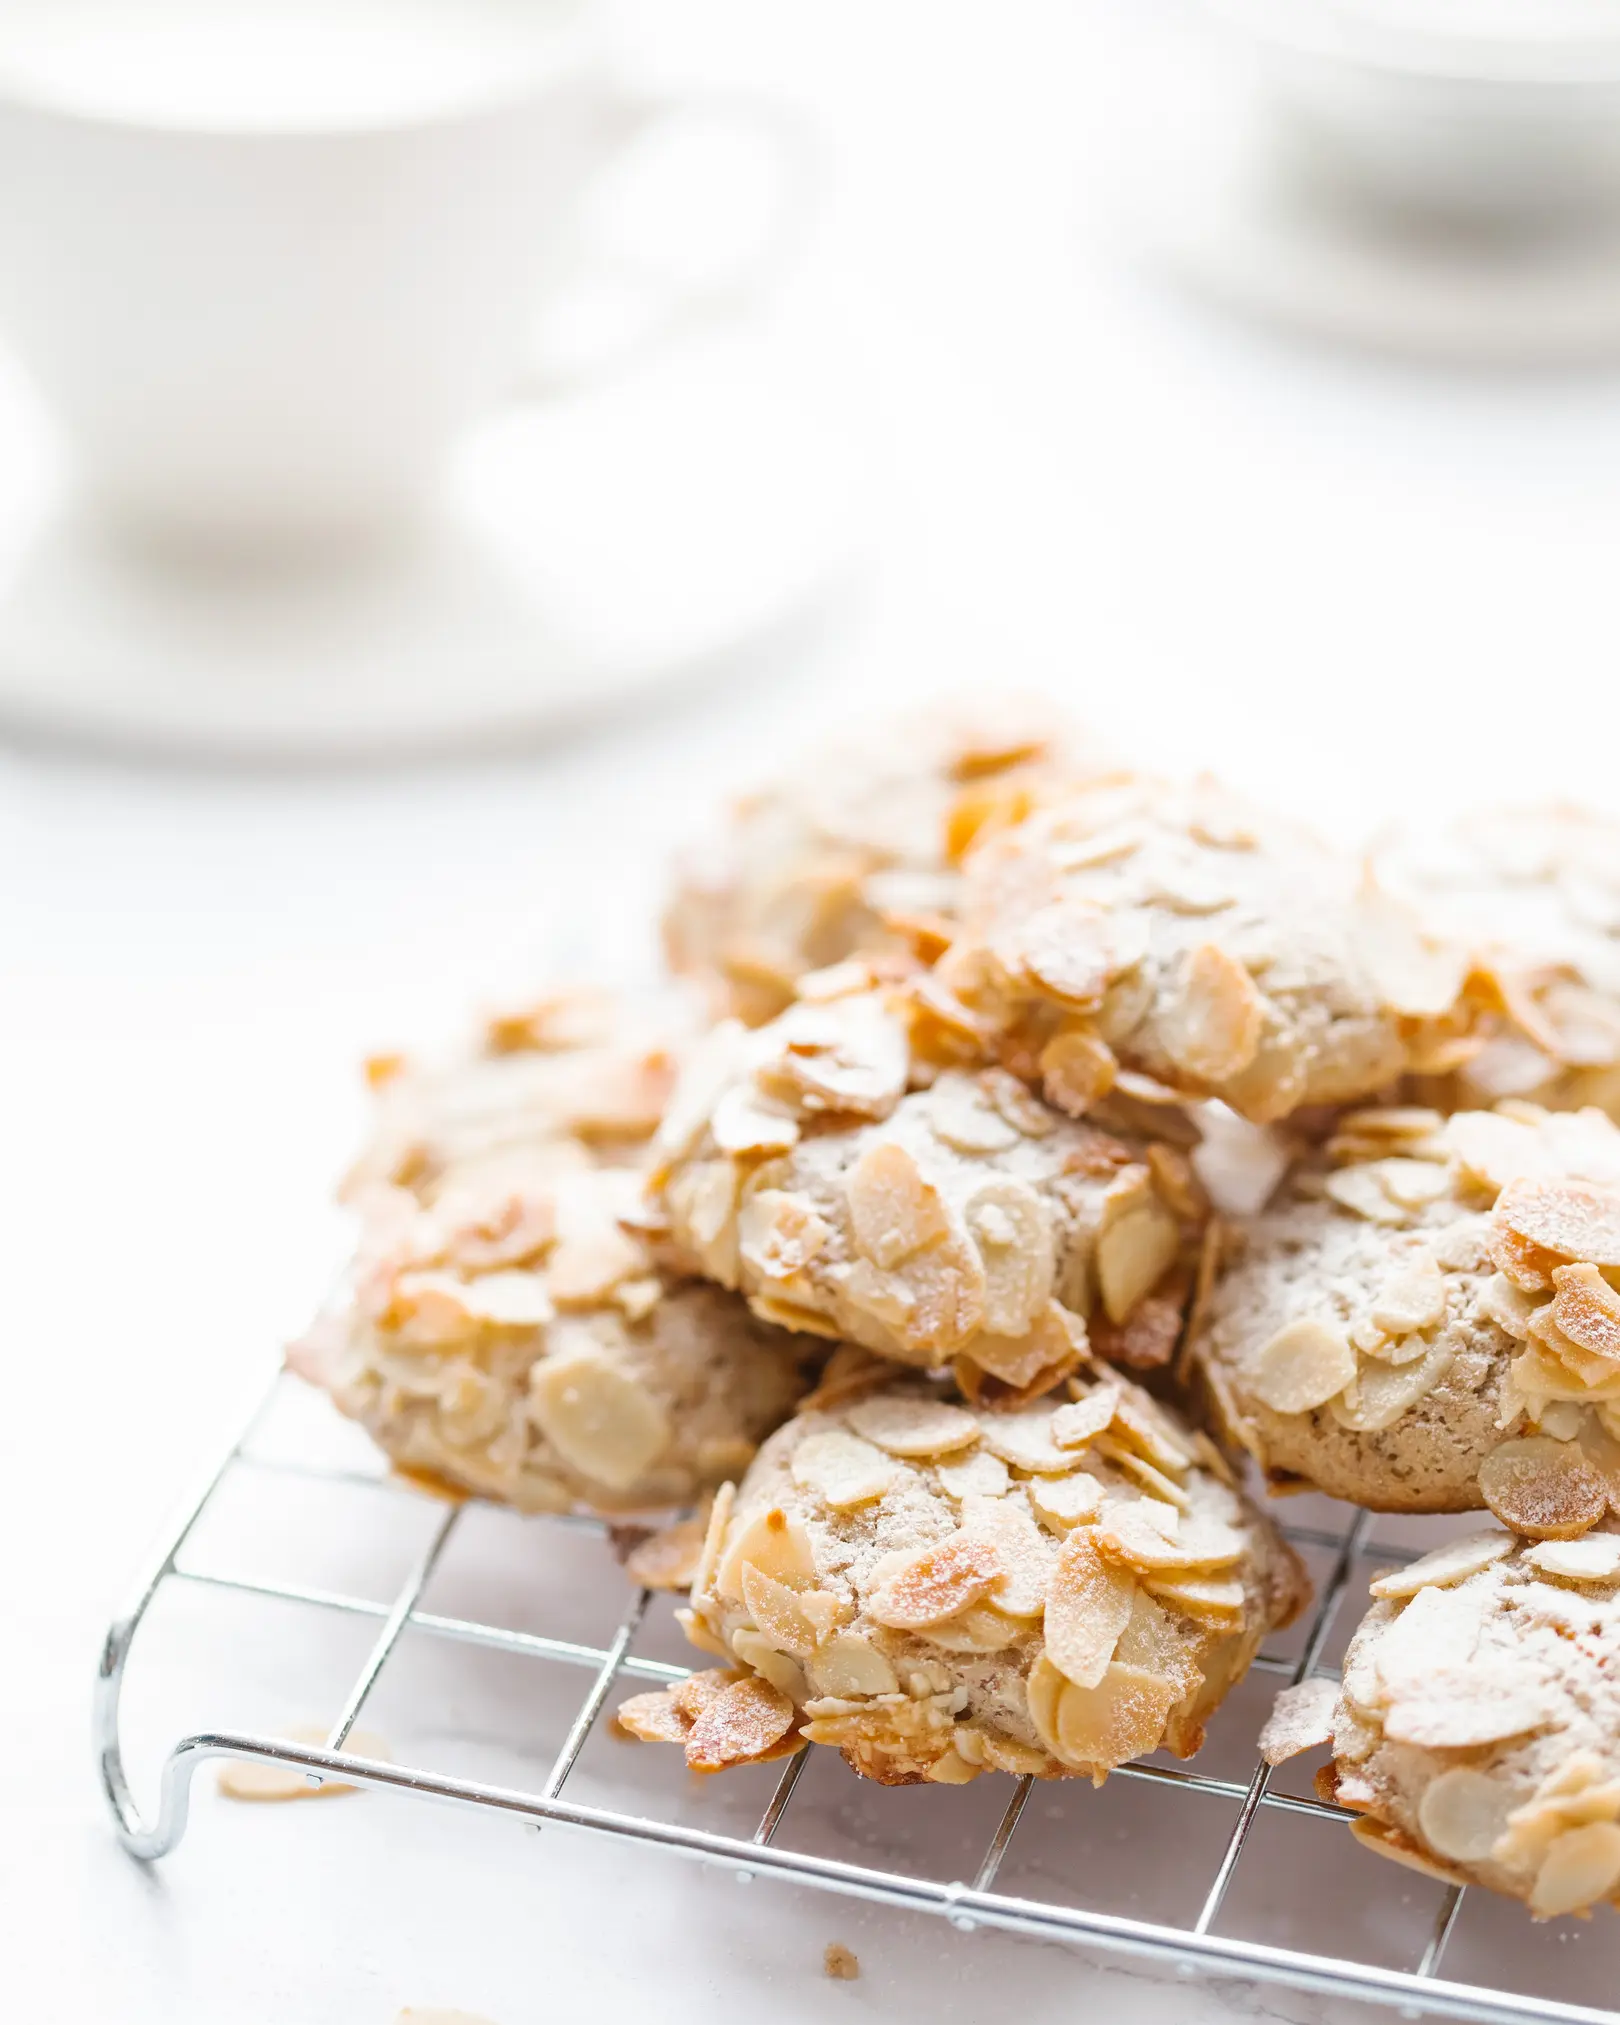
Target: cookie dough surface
<point x="1438" y="1292"/>
<point x="1477" y="1732"/>
<point x="812" y="869"/>
<point x="514" y="1343"/>
<point x="937" y="1591"/>
<point x="1535" y="895"/>
<point x="854" y="1189"/>
<point x="1210" y="944"/>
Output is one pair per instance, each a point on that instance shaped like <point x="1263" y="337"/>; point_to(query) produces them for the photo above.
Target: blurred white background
<point x="1362" y="587"/>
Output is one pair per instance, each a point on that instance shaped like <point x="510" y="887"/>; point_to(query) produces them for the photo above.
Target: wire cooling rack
<point x="1191" y="1946"/>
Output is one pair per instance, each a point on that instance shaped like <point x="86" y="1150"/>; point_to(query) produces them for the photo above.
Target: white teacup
<point x="1485" y="111"/>
<point x="266" y="259"/>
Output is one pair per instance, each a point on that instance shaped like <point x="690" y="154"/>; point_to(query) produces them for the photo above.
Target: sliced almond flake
<point x="745" y="1125"/>
<point x="1127" y="1535"/>
<point x="1581" y="1867"/>
<point x="603" y="1422"/>
<point x="1592" y="1558"/>
<point x="1074" y="1425"/>
<point x="713" y="1537"/>
<point x="1453" y="1562"/>
<point x="1121" y="1718"/>
<point x="777" y="1612"/>
<point x="1211" y="1599"/>
<point x="1581" y="1364"/>
<point x="1025" y="1553"/>
<point x="1138" y="1420"/>
<point x="771" y="1542"/>
<point x="757" y="1652"/>
<point x="1587" y="1309"/>
<point x="1396" y="1122"/>
<point x="741" y="1723"/>
<point x="981" y="1628"/>
<point x="794" y="1315"/>
<point x="1024" y="1439"/>
<point x="980" y="1475"/>
<point x="1077" y="1071"/>
<point x="910" y="1424"/>
<point x="1157" y="1641"/>
<point x="1398" y="1350"/>
<point x="1211" y="1029"/>
<point x="1543" y="1488"/>
<point x="1413" y="1298"/>
<point x="1462" y="1813"/>
<point x="1577" y="1219"/>
<point x="242" y="1779"/>
<point x="961" y="1113"/>
<point x="1382" y="1392"/>
<point x="584" y="1268"/>
<point x="1464" y="1710"/>
<point x="850" y="1666"/>
<point x="842" y="1469"/>
<point x="894" y="1209"/>
<point x="1052" y="1344"/>
<point x="1438" y="1631"/>
<point x="1301" y="1720"/>
<point x="1134" y="1253"/>
<point x="1302" y="1366"/>
<point x="1177" y="1182"/>
<point x="1062" y="1503"/>
<point x="1012" y="1228"/>
<point x="1504" y="1304"/>
<point x="669" y="1558"/>
<point x="935" y="1583"/>
<point x="779" y="1234"/>
<point x="1359" y="1189"/>
<point x="1075" y="951"/>
<point x="1525" y="1265"/>
<point x="1413" y="1184"/>
<point x="1088" y="1605"/>
<point x="1160" y="1488"/>
<point x="699" y="1633"/>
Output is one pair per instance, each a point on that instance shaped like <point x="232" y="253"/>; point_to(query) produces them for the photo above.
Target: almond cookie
<point x="1216" y="947"/>
<point x="509" y="1339"/>
<point x="816" y="867"/>
<point x="938" y="1591"/>
<point x="964" y="1220"/>
<point x="574" y="1079"/>
<point x="1535" y="893"/>
<point x="1477" y="1730"/>
<point x="1431" y="1320"/>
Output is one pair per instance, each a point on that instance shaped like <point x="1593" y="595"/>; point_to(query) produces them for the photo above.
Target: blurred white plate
<point x="1208" y="192"/>
<point x="588" y="547"/>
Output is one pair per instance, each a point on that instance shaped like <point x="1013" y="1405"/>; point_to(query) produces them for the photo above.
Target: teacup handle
<point x="777" y="132"/>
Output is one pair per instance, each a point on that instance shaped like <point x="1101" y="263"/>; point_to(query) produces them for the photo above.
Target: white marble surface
<point x="1362" y="588"/>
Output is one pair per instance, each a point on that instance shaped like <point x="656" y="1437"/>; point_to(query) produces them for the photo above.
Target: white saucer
<point x="1207" y="192"/>
<point x="587" y="547"/>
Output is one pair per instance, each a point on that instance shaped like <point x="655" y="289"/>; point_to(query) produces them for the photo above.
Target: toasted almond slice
<point x="777" y="1612"/>
<point x="1453" y="1562"/>
<point x="669" y="1558"/>
<point x="1360" y="1190"/>
<point x="1088" y="1605"/>
<point x="1506" y="1305"/>
<point x="1383" y="1392"/>
<point x="1576" y="1219"/>
<point x="1133" y="1254"/>
<point x="960" y="1111"/>
<point x="1544" y="1488"/>
<point x="1156" y="1640"/>
<point x="746" y="1124"/>
<point x="742" y="1722"/>
<point x="894" y="1209"/>
<point x="1524" y="1265"/>
<point x="1013" y="1230"/>
<point x="1595" y="1557"/>
<point x="760" y="1656"/>
<point x="979" y="1475"/>
<point x="1212" y="1029"/>
<point x="1587" y="1309"/>
<point x="1462" y="1813"/>
<point x="1127" y="1535"/>
<point x="1303" y="1366"/>
<point x="1462" y="1709"/>
<point x="603" y="1423"/>
<point x="1138" y="1420"/>
<point x="1121" y="1718"/>
<point x="851" y="1667"/>
<point x="1412" y="1299"/>
<point x="242" y="1779"/>
<point x="910" y="1424"/>
<point x="1212" y="1599"/>
<point x="1160" y="1488"/>
<point x="774" y="1544"/>
<point x="653" y="1718"/>
<point x="1077" y="1070"/>
<point x="935" y="1583"/>
<point x="1061" y="1503"/>
<point x="1024" y="1439"/>
<point x="1581" y="1364"/>
<point x="713" y="1536"/>
<point x="1301" y="1719"/>
<point x="980" y="1628"/>
<point x="1073" y="1426"/>
<point x="1025" y="1552"/>
<point x="1581" y="1867"/>
<point x="694" y="1694"/>
<point x="842" y="1469"/>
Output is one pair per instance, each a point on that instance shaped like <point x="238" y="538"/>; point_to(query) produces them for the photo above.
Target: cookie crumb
<point x="841" y="1963"/>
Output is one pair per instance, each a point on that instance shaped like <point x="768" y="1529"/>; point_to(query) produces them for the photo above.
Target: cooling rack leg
<point x="139" y="1837"/>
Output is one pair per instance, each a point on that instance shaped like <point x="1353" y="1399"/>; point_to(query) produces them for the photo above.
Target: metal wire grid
<point x="1188" y="1947"/>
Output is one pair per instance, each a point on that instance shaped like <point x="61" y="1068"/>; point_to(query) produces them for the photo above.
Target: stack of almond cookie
<point x="902" y="1264"/>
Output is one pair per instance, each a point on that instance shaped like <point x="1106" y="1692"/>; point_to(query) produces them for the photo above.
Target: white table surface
<point x="1363" y="589"/>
